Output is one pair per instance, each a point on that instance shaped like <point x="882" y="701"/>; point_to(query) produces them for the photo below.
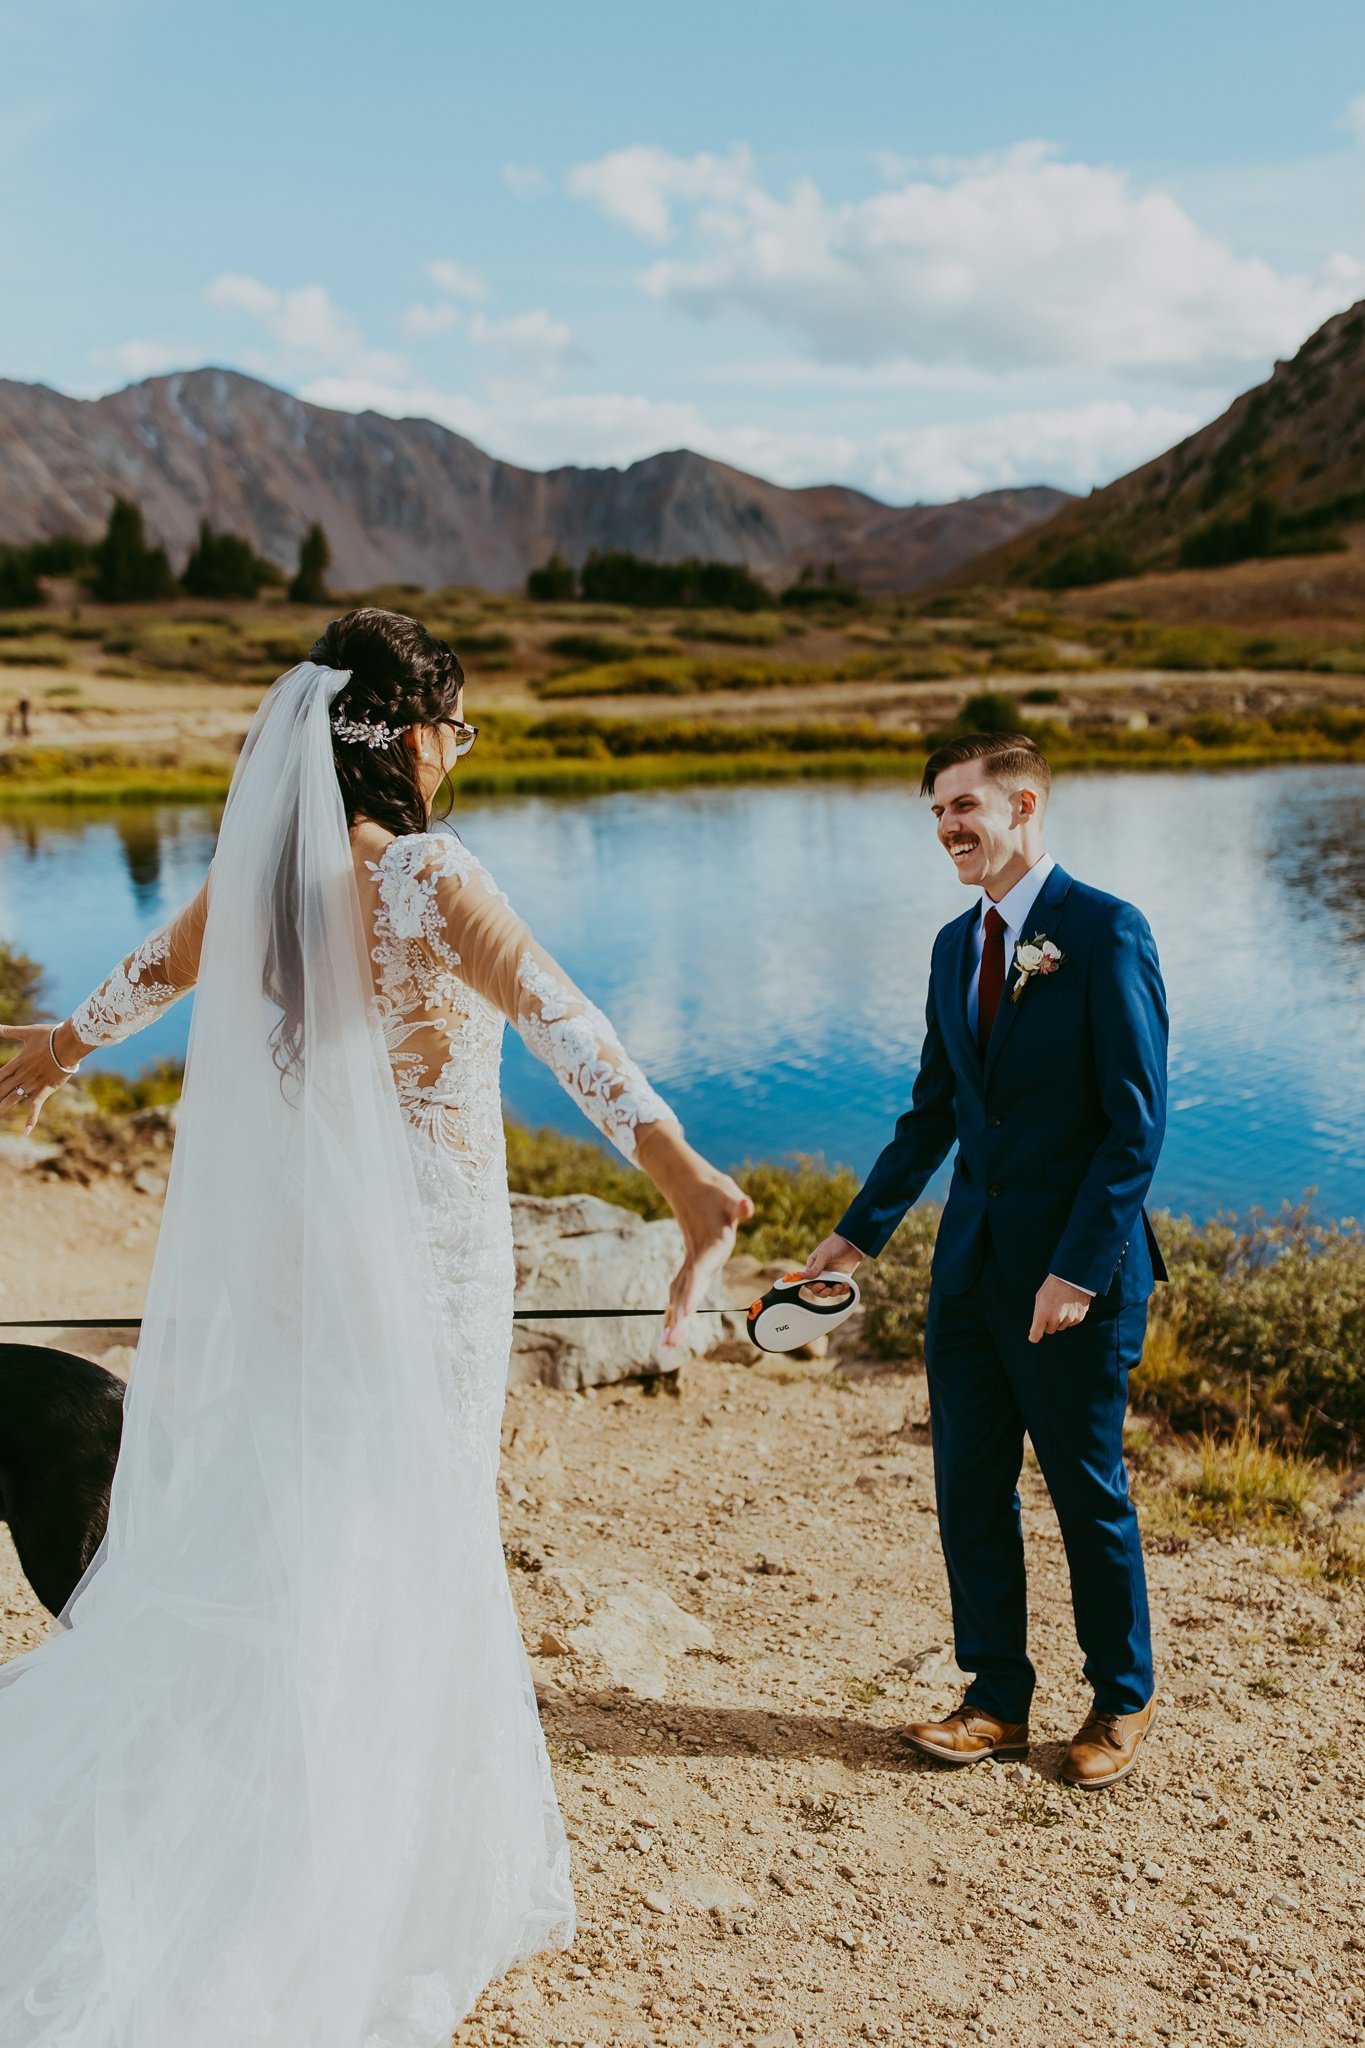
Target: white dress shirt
<point x="1015" y="907"/>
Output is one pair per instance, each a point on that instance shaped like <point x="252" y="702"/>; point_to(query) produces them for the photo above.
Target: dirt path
<point x="757" y="1859"/>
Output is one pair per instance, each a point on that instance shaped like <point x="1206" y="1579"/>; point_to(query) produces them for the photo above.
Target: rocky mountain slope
<point x="409" y="501"/>
<point x="1296" y="442"/>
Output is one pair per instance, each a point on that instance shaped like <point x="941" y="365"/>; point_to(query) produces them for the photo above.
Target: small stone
<point x="1283" y="1902"/>
<point x="1153" y="1872"/>
<point x="658" y="1902"/>
<point x="551" y="1645"/>
<point x="1201" y="1792"/>
<point x="1128" y="1870"/>
<point x="848" y="1937"/>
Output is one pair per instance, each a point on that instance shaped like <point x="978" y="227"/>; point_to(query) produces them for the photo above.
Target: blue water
<point x="763" y="951"/>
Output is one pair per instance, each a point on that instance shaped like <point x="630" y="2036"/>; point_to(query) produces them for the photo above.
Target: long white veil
<point x="281" y="1779"/>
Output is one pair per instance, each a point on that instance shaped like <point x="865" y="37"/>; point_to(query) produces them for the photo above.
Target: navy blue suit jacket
<point x="1058" y="1128"/>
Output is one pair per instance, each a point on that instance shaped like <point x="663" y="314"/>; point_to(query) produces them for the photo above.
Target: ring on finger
<point x="21" y="1095"/>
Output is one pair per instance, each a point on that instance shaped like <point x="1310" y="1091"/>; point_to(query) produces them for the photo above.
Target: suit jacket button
<point x="995" y="1122"/>
<point x="992" y="1190"/>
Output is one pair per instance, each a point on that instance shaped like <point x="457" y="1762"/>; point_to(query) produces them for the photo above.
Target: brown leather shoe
<point x="969" y="1736"/>
<point x="1105" y="1748"/>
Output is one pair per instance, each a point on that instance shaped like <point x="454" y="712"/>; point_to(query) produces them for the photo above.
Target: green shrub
<point x="545" y="1162"/>
<point x="1086" y="562"/>
<point x="796" y="1203"/>
<point x="594" y="647"/>
<point x="738" y="629"/>
<point x="21" y="986"/>
<point x="124" y="1094"/>
<point x="896" y="1288"/>
<point x="830" y="589"/>
<point x="1270" y="1315"/>
<point x="486" y="640"/>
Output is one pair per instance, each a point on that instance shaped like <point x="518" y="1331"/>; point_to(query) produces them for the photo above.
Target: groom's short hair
<point x="1010" y="758"/>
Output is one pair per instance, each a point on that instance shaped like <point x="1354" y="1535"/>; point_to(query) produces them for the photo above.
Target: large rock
<point x="634" y="1630"/>
<point x="575" y="1251"/>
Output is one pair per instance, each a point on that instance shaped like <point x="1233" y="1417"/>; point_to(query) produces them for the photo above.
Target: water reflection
<point x="140" y="836"/>
<point x="1318" y="847"/>
<point x="765" y="951"/>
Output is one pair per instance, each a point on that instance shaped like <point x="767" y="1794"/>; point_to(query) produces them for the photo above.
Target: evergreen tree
<point x="223" y="565"/>
<point x="19" y="583"/>
<point x="127" y="571"/>
<point x="553" y="583"/>
<point x="310" y="584"/>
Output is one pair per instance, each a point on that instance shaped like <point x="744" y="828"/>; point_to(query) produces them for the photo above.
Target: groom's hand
<point x="833" y="1254"/>
<point x="1058" y="1306"/>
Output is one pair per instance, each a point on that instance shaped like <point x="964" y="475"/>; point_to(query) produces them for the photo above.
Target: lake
<point x="763" y="951"/>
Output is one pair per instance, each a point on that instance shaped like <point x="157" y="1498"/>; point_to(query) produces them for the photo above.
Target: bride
<point x="281" y="1778"/>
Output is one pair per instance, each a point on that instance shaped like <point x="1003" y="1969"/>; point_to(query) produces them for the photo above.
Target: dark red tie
<point x="991" y="986"/>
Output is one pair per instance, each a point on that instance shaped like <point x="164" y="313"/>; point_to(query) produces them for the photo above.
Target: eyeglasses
<point x="465" y="736"/>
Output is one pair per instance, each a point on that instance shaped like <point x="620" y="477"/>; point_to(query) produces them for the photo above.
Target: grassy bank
<point x="707" y="755"/>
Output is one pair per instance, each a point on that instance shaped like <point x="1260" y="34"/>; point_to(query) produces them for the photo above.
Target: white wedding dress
<point x="281" y="1779"/>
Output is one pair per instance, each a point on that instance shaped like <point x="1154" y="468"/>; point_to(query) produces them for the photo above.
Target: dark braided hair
<point x="401" y="676"/>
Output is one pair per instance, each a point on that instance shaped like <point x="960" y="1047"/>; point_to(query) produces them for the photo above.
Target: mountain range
<point x="408" y="501"/>
<point x="1290" y="452"/>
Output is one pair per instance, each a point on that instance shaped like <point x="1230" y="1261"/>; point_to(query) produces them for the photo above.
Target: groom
<point x="1045" y="1061"/>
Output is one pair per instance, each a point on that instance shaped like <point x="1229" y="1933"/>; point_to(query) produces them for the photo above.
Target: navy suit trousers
<point x="987" y="1387"/>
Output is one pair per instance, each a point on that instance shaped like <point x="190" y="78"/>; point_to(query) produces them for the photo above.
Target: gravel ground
<point x="726" y="1594"/>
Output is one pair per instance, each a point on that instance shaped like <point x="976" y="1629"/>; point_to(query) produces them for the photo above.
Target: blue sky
<point x="923" y="250"/>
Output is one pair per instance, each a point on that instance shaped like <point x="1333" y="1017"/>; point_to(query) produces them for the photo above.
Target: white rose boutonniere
<point x="1034" y="956"/>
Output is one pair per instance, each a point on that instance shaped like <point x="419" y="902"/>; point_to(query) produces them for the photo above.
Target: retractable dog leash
<point x="781" y="1320"/>
<point x="788" y="1315"/>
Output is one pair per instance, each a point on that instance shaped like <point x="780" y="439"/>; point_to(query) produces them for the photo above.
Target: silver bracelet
<point x="52" y="1055"/>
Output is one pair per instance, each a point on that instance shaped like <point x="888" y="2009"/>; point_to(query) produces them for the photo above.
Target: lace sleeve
<point x="434" y="889"/>
<point x="154" y="975"/>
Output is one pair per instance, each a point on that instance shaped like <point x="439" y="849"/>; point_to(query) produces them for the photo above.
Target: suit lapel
<point x="959" y="964"/>
<point x="1044" y="917"/>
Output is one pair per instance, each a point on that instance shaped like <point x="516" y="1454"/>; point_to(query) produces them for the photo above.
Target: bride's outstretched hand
<point x="32" y="1075"/>
<point x="709" y="1207"/>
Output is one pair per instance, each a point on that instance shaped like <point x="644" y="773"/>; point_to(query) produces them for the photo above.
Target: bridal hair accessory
<point x="372" y="732"/>
<point x="1036" y="956"/>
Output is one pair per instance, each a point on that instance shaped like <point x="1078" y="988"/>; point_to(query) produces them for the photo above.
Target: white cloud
<point x="639" y="185"/>
<point x="139" y="358"/>
<point x="1355" y="116"/>
<point x="424" y="321"/>
<point x="1073" y="447"/>
<point x="456" y="279"/>
<point x="524" y="181"/>
<point x="313" y="334"/>
<point x="527" y="344"/>
<point x="539" y="428"/>
<point x="1009" y="261"/>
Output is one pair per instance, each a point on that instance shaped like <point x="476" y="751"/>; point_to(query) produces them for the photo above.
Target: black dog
<point x="61" y="1421"/>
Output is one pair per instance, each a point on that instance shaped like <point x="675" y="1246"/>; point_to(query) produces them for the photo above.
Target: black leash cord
<point x="519" y="1315"/>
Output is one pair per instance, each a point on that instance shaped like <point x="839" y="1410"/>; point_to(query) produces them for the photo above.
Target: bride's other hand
<point x="833" y="1254"/>
<point x="709" y="1208"/>
<point x="33" y="1074"/>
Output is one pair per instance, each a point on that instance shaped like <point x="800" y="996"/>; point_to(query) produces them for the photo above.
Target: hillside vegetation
<point x="1281" y="472"/>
